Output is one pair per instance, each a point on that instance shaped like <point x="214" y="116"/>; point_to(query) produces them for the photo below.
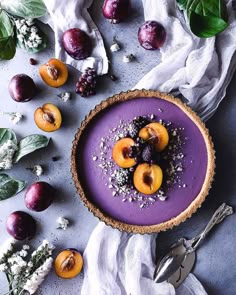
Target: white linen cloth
<point x="118" y="263"/>
<point x="73" y="14"/>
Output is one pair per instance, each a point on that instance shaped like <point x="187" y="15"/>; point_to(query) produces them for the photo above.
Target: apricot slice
<point x="120" y="153"/>
<point x="54" y="73"/>
<point x="48" y="117"/>
<point x="157" y="134"/>
<point x="147" y="178"/>
<point x="68" y="264"/>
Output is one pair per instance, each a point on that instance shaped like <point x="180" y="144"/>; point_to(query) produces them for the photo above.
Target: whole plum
<point x="116" y="10"/>
<point x="39" y="196"/>
<point x="20" y="225"/>
<point x="22" y="88"/>
<point x="77" y="43"/>
<point x="151" y="35"/>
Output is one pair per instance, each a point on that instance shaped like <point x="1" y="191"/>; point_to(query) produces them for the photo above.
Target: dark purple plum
<point x="22" y="88"/>
<point x="77" y="43"/>
<point x="39" y="196"/>
<point x="116" y="10"/>
<point x="151" y="35"/>
<point x="20" y="225"/>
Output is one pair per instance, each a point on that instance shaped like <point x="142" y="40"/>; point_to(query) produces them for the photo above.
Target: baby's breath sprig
<point x="28" y="34"/>
<point x="22" y="275"/>
<point x="14" y="117"/>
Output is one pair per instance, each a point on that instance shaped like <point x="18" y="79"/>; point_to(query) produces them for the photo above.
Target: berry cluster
<point x="136" y="124"/>
<point x="86" y="86"/>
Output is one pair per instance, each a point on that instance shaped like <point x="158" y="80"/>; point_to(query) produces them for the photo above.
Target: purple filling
<point x="194" y="162"/>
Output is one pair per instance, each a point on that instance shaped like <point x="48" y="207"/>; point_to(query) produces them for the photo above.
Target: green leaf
<point x="7" y="40"/>
<point x="7" y="48"/>
<point x="6" y="25"/>
<point x="207" y="18"/>
<point x="42" y="46"/>
<point x="205" y="27"/>
<point x="9" y="187"/>
<point x="7" y="134"/>
<point x="30" y="144"/>
<point x="25" y="8"/>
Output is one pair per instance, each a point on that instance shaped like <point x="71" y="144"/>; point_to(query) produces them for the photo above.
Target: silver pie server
<point x="178" y="262"/>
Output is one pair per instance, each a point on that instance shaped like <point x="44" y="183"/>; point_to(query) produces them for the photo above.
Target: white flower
<point x="16" y="117"/>
<point x="26" y="247"/>
<point x="33" y="29"/>
<point x="6" y="249"/>
<point x="29" y="21"/>
<point x="18" y="24"/>
<point x="30" y="264"/>
<point x="65" y="96"/>
<point x="115" y="47"/>
<point x="20" y="37"/>
<point x="128" y="58"/>
<point x="29" y="44"/>
<point x="3" y="267"/>
<point x="35" y="44"/>
<point x="23" y="253"/>
<point x="24" y="29"/>
<point x="16" y="269"/>
<point x="22" y="21"/>
<point x="38" y="276"/>
<point x="63" y="223"/>
<point x="37" y="170"/>
<point x="7" y="151"/>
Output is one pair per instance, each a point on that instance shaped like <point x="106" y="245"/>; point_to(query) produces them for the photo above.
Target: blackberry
<point x="122" y="177"/>
<point x="148" y="153"/>
<point x="87" y="83"/>
<point x="140" y="121"/>
<point x="133" y="130"/>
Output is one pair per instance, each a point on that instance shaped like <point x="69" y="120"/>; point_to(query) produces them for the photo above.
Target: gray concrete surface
<point x="215" y="265"/>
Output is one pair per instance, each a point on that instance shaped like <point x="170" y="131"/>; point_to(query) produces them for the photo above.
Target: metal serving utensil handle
<point x="223" y="211"/>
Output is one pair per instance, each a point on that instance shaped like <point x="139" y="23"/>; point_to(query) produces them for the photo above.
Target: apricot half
<point x="48" y="117"/>
<point x="147" y="178"/>
<point x="54" y="73"/>
<point x="121" y="151"/>
<point x="157" y="134"/>
<point x="68" y="264"/>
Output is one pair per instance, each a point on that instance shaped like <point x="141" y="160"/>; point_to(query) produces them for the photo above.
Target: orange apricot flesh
<point x="147" y="178"/>
<point x="54" y="73"/>
<point x="157" y="134"/>
<point x="120" y="153"/>
<point x="68" y="264"/>
<point x="48" y="117"/>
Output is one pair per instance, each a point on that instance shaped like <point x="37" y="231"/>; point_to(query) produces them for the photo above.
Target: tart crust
<point x="195" y="204"/>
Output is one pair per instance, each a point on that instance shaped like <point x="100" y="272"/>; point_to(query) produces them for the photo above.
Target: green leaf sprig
<point x="11" y="152"/>
<point x="9" y="187"/>
<point x="12" y="11"/>
<point x="206" y="18"/>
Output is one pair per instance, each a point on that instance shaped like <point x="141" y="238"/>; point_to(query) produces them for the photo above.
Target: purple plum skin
<point x="20" y="225"/>
<point x="77" y="43"/>
<point x="22" y="88"/>
<point x="151" y="35"/>
<point x="39" y="196"/>
<point x="116" y="10"/>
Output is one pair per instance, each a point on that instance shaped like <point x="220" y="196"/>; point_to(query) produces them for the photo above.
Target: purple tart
<point x="111" y="192"/>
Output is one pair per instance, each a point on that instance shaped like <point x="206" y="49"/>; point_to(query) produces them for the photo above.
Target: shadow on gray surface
<point x="215" y="264"/>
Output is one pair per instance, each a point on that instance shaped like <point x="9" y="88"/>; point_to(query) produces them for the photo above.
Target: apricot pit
<point x="68" y="264"/>
<point x="147" y="178"/>
<point x="121" y="151"/>
<point x="54" y="73"/>
<point x="157" y="134"/>
<point x="48" y="117"/>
